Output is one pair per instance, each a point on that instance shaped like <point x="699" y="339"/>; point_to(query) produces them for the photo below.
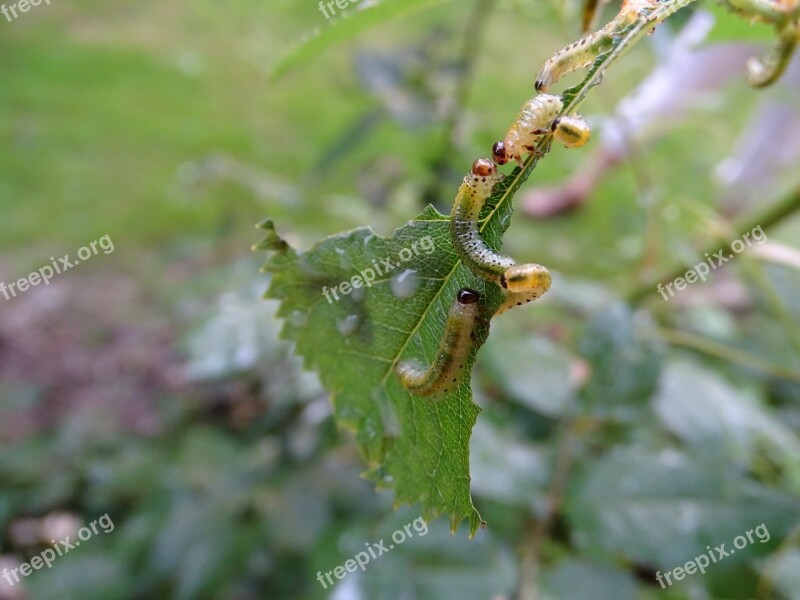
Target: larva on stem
<point x="582" y="54"/>
<point x="538" y="117"/>
<point x="447" y="369"/>
<point x="522" y="283"/>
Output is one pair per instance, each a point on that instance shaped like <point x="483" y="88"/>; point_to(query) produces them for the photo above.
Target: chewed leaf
<point x="356" y="304"/>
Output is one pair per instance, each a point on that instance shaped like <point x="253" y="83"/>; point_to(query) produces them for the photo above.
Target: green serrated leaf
<point x="416" y="446"/>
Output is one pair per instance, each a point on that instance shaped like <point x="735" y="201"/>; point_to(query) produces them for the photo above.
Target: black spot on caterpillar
<point x="522" y="283"/>
<point x="537" y="118"/>
<point x="581" y="54"/>
<point x="446" y="371"/>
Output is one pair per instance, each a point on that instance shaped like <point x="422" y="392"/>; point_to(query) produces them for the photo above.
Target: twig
<point x="766" y="219"/>
<point x="696" y="342"/>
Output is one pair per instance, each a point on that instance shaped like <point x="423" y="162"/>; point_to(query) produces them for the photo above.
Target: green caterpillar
<point x="582" y="54"/>
<point x="522" y="283"/>
<point x="447" y="370"/>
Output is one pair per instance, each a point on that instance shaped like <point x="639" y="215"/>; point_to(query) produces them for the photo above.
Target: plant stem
<point x="766" y="219"/>
<point x="734" y="355"/>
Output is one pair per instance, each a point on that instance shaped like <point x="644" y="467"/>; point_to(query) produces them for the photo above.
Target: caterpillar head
<point x="483" y="176"/>
<point x="499" y="153"/>
<point x="526" y="278"/>
<point x="573" y="132"/>
<point x="483" y="167"/>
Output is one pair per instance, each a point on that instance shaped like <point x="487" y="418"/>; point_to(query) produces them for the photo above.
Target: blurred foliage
<point x="608" y="446"/>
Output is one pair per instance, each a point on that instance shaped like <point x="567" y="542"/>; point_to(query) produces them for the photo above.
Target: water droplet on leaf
<point x="348" y="325"/>
<point x="405" y="284"/>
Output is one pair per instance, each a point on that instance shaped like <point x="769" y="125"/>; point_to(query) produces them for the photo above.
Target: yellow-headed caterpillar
<point x="521" y="283"/>
<point x="537" y="118"/>
<point x="582" y="54"/>
<point x="525" y="283"/>
<point x="572" y="131"/>
<point x="446" y="371"/>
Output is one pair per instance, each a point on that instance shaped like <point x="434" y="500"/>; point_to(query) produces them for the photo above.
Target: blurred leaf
<point x="531" y="371"/>
<point x="663" y="508"/>
<point x="507" y="470"/>
<point x="707" y="412"/>
<point x="574" y="579"/>
<point x="96" y="576"/>
<point x="782" y="572"/>
<point x="625" y="360"/>
<point x="351" y="23"/>
<point x="434" y="565"/>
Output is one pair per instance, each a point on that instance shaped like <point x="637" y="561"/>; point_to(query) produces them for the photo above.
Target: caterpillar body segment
<point x="521" y="283"/>
<point x="534" y="120"/>
<point x="467" y="241"/>
<point x="446" y="371"/>
<point x="578" y="55"/>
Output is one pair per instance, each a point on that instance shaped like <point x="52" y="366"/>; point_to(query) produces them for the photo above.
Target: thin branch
<point x="767" y="218"/>
<point x="734" y="355"/>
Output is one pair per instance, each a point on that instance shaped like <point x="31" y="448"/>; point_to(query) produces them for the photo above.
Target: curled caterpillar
<point x="522" y="283"/>
<point x="537" y="118"/>
<point x="763" y="72"/>
<point x="582" y="54"/>
<point x="447" y="369"/>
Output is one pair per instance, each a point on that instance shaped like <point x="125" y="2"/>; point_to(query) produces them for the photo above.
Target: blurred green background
<point x="617" y="438"/>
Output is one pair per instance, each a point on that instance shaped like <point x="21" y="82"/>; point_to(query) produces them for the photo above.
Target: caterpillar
<point x="447" y="369"/>
<point x="582" y="54"/>
<point x="763" y="72"/>
<point x="539" y="116"/>
<point x="521" y="283"/>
